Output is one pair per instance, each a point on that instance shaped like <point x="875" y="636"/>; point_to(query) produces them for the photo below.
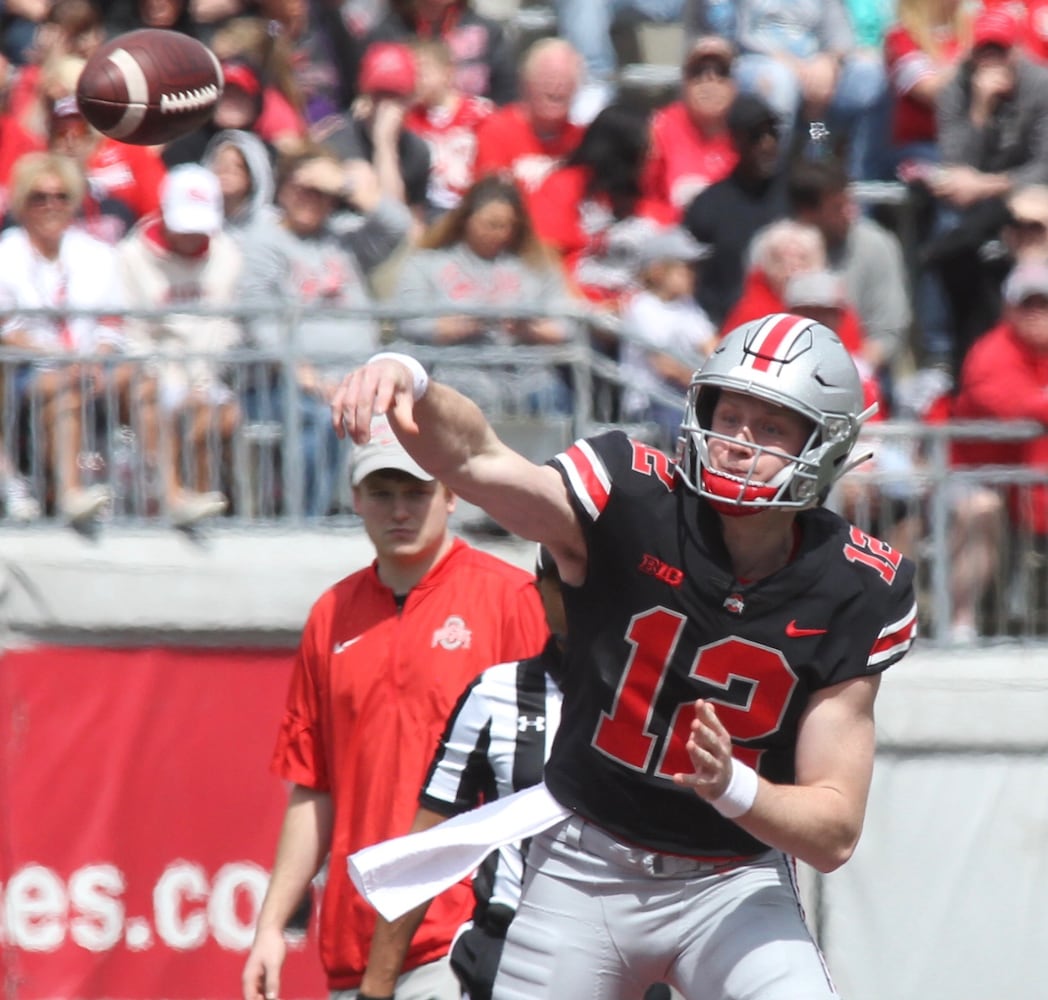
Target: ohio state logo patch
<point x="453" y="634"/>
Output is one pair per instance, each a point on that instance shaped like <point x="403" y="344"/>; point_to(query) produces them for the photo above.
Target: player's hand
<point x="261" y="978"/>
<point x="709" y="747"/>
<point x="381" y="386"/>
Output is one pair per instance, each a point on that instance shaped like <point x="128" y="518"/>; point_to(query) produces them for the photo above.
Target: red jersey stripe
<point x="588" y="478"/>
<point x="895" y="638"/>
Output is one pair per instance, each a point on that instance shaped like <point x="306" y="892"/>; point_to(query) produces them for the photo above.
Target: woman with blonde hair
<point x="923" y="51"/>
<point x="47" y="263"/>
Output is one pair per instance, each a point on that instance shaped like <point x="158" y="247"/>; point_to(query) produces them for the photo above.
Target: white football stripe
<point x="218" y="72"/>
<point x="137" y="93"/>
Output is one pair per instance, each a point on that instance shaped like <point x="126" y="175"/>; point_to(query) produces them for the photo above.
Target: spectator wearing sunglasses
<point x="728" y="212"/>
<point x="691" y="146"/>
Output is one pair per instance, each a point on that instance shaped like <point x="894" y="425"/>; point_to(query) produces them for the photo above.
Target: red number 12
<point x="750" y="684"/>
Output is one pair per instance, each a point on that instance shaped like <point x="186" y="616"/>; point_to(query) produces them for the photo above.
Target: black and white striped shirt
<point x="496" y="742"/>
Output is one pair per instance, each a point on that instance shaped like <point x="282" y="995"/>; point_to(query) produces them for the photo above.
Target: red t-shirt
<point x="682" y="160"/>
<point x="371" y="691"/>
<point x="452" y="139"/>
<point x="131" y="174"/>
<point x="15" y="141"/>
<point x="596" y="249"/>
<point x="1004" y="378"/>
<point x="506" y="141"/>
<point x="279" y="121"/>
<point x="907" y="64"/>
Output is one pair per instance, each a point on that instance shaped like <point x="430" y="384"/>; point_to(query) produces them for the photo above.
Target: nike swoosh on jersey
<point x="794" y="632"/>
<point x="341" y="647"/>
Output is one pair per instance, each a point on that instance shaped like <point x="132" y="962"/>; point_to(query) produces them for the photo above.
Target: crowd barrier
<point x="539" y="399"/>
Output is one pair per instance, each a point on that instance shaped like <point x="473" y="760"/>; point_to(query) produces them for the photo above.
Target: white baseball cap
<point x="191" y="200"/>
<point x="382" y="452"/>
<point x="823" y="289"/>
<point x="672" y="243"/>
<point x="1024" y="281"/>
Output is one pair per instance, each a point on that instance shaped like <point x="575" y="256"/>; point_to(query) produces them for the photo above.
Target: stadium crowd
<point x="427" y="154"/>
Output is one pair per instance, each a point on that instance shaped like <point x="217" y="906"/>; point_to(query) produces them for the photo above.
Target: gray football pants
<point x="600" y="921"/>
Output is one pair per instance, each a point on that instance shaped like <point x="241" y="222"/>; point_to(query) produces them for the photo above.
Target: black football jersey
<point x="660" y="621"/>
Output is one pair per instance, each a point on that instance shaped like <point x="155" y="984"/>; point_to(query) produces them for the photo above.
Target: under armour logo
<point x="526" y="722"/>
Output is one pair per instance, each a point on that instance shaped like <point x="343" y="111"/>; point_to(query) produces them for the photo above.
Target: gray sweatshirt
<point x="447" y="280"/>
<point x="323" y="272"/>
<point x="260" y="170"/>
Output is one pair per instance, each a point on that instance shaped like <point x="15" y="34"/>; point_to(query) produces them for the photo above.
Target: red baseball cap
<point x="241" y="75"/>
<point x="387" y="68"/>
<point x="994" y="26"/>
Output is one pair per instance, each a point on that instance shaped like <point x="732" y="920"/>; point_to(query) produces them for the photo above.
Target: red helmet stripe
<point x="768" y="346"/>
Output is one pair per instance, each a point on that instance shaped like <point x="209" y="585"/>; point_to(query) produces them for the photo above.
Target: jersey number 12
<point x="751" y="685"/>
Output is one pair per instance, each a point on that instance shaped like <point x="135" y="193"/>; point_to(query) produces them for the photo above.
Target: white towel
<point x="397" y="875"/>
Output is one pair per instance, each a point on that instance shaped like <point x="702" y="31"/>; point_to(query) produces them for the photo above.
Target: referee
<point x="496" y="742"/>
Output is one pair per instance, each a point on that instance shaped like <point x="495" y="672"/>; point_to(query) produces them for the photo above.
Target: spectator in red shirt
<point x="118" y="170"/>
<point x="691" y="145"/>
<point x="593" y="211"/>
<point x="923" y="51"/>
<point x="779" y="252"/>
<point x="448" y="120"/>
<point x="14" y="138"/>
<point x="1005" y="377"/>
<point x="532" y="137"/>
<point x="105" y="218"/>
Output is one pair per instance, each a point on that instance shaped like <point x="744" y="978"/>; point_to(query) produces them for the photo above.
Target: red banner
<point x="138" y="820"/>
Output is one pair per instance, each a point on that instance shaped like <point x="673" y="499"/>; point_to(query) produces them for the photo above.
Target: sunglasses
<point x="706" y="68"/>
<point x="758" y="132"/>
<point x="37" y="199"/>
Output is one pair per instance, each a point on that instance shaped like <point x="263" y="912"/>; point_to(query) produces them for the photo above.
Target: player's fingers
<point x="404" y="412"/>
<point x="340" y="405"/>
<point x="707" y="712"/>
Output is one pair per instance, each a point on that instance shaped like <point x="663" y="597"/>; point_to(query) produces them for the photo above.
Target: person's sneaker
<point x="19" y="502"/>
<point x="79" y="505"/>
<point x="191" y="508"/>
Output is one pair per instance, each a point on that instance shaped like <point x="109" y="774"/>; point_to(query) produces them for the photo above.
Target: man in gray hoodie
<point x="305" y="265"/>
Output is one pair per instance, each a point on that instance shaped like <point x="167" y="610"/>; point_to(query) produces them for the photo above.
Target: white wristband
<point x="419" y="378"/>
<point x="741" y="793"/>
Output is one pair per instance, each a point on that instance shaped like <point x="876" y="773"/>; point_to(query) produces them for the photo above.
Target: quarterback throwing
<point x="726" y="637"/>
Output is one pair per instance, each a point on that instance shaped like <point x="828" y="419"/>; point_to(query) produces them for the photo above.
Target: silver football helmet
<point x="789" y="361"/>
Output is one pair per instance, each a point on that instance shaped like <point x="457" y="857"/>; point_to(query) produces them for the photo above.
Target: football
<point x="149" y="86"/>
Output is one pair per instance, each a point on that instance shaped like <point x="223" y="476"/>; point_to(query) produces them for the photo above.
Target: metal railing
<point x="280" y="450"/>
